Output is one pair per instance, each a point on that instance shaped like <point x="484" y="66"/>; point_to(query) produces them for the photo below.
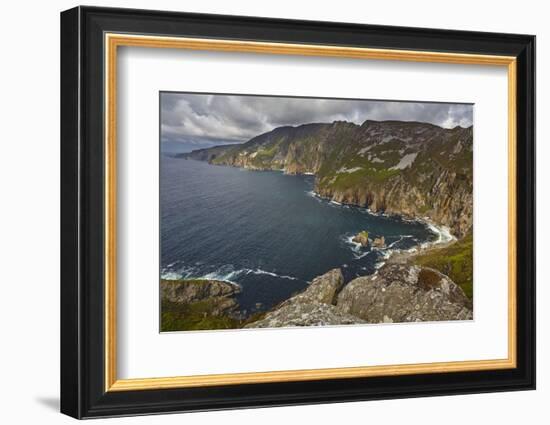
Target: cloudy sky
<point x="205" y="120"/>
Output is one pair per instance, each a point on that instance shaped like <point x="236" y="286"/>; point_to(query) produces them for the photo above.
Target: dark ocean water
<point x="264" y="230"/>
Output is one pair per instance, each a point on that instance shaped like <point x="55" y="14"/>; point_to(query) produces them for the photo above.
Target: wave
<point x="401" y="237"/>
<point x="385" y="254"/>
<point x="312" y="194"/>
<point x="356" y="247"/>
<point x="221" y="275"/>
<point x="226" y="273"/>
<point x="443" y="233"/>
<point x="260" y="271"/>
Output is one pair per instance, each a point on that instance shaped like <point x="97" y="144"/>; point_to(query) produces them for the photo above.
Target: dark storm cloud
<point x="199" y="118"/>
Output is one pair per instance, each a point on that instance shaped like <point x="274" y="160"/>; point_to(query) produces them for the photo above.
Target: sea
<point x="266" y="231"/>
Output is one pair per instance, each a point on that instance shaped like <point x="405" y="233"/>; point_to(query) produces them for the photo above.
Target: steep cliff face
<point x="408" y="168"/>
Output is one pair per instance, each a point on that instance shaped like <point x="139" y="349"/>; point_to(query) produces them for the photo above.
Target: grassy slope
<point x="456" y="261"/>
<point x="194" y="316"/>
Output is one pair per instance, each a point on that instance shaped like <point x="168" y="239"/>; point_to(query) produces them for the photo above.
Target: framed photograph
<point x="261" y="212"/>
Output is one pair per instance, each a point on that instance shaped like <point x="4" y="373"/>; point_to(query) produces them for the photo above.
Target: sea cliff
<point x="407" y="168"/>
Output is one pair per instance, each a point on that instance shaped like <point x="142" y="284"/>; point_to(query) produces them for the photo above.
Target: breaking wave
<point x="227" y="273"/>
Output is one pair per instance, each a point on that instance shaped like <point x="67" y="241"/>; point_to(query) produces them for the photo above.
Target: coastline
<point x="212" y="312"/>
<point x="389" y="255"/>
<point x="400" y="256"/>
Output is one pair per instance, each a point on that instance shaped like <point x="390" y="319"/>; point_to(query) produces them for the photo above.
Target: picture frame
<point x="90" y="40"/>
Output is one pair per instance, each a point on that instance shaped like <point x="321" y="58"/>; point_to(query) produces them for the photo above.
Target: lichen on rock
<point x="404" y="293"/>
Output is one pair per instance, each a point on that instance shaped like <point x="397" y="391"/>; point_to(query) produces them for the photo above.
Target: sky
<point x="204" y="120"/>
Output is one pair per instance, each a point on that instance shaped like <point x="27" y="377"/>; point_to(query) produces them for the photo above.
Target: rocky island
<point x="362" y="238"/>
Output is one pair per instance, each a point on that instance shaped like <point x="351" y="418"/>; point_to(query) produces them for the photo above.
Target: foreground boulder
<point x="404" y="293"/>
<point x="312" y="307"/>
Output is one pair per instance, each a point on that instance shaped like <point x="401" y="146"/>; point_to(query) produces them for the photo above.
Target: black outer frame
<point x="82" y="218"/>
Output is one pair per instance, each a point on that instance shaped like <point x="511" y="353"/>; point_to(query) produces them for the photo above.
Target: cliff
<point x="407" y="168"/>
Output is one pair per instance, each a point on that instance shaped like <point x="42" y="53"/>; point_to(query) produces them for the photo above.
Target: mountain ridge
<point x="414" y="169"/>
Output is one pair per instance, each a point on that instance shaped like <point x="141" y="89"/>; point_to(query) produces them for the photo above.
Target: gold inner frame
<point x="113" y="41"/>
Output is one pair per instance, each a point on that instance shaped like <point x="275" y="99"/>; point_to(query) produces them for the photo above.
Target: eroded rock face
<point x="312" y="307"/>
<point x="403" y="293"/>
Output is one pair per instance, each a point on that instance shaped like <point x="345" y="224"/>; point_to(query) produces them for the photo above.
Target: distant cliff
<point x="407" y="168"/>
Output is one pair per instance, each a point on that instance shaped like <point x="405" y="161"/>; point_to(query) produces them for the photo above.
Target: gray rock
<point x="403" y="293"/>
<point x="305" y="314"/>
<point x="193" y="290"/>
<point x="322" y="289"/>
<point x="312" y="307"/>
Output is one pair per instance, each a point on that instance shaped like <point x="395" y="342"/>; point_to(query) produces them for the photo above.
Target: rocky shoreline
<point x="396" y="293"/>
<point x="399" y="291"/>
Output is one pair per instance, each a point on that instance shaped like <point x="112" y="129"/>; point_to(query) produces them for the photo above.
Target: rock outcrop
<point x="216" y="297"/>
<point x="407" y="168"/>
<point x="362" y="238"/>
<point x="396" y="293"/>
<point x="312" y="307"/>
<point x="404" y="293"/>
<point x="379" y="242"/>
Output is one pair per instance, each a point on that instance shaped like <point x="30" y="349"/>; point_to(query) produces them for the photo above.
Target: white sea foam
<point x="220" y="275"/>
<point x="171" y="276"/>
<point x="356" y="246"/>
<point x="226" y="273"/>
<point x="260" y="271"/>
<point x="443" y="233"/>
<point x="401" y="237"/>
